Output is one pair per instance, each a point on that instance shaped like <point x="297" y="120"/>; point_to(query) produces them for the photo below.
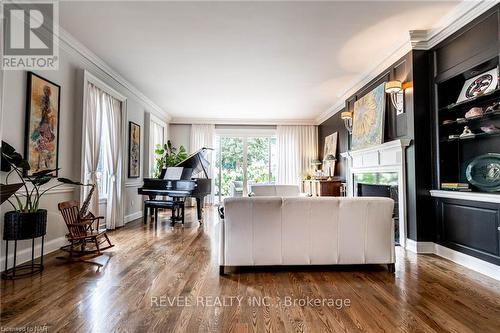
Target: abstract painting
<point x="41" y="144"/>
<point x="368" y="119"/>
<point x="134" y="147"/>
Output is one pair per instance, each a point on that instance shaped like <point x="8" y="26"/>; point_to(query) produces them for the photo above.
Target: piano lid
<point x="197" y="161"/>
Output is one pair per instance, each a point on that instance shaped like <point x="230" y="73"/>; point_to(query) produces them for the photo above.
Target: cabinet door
<point x="470" y="227"/>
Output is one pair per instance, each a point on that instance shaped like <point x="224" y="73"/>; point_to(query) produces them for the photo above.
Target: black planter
<point x="18" y="226"/>
<point x="25" y="225"/>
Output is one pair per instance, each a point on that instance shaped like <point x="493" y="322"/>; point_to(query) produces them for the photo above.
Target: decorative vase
<point x="20" y="225"/>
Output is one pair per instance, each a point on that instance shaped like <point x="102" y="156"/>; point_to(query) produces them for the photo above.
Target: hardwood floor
<point x="148" y="268"/>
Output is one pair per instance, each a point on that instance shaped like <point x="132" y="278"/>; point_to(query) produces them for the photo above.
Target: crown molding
<point x="70" y="43"/>
<point x="463" y="14"/>
<point x="239" y="121"/>
<point x="401" y="48"/>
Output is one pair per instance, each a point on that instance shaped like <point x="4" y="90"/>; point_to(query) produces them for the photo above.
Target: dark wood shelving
<point x="488" y="116"/>
<point x="476" y="137"/>
<point x="465" y="221"/>
<point x="491" y="96"/>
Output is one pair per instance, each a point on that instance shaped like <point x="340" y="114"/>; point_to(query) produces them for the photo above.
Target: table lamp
<point x="329" y="159"/>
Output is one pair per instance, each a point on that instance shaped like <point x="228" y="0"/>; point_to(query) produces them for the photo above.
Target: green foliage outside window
<point x="230" y="160"/>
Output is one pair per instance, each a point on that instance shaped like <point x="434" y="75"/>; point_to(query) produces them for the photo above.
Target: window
<point x="103" y="146"/>
<point x="157" y="134"/>
<point x="243" y="161"/>
<point x="157" y="137"/>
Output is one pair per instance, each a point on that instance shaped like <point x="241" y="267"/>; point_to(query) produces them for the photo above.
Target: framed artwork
<point x="478" y="85"/>
<point x="368" y="119"/>
<point x="330" y="148"/>
<point x="134" y="150"/>
<point x="41" y="134"/>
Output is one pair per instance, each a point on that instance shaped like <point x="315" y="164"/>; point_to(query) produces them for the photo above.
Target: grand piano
<point x="195" y="165"/>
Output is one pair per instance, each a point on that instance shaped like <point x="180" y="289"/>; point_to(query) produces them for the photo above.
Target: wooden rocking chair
<point x="83" y="231"/>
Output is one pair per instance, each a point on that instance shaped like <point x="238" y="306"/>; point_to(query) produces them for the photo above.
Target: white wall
<point x="180" y="135"/>
<point x="70" y="78"/>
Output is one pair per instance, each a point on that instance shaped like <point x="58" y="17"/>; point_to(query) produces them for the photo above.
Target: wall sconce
<point x="346" y="116"/>
<point x="395" y="89"/>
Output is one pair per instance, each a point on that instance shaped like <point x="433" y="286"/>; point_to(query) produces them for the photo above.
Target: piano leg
<point x="151" y="210"/>
<point x="182" y="212"/>
<point x="199" y="209"/>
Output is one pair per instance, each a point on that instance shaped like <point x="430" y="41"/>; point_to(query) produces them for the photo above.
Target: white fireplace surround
<point x="387" y="157"/>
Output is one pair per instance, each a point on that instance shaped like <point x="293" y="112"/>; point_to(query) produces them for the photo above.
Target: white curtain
<point x="92" y="136"/>
<point x="157" y="137"/>
<point x="113" y="121"/>
<point x="103" y="121"/>
<point x="203" y="136"/>
<point x="297" y="148"/>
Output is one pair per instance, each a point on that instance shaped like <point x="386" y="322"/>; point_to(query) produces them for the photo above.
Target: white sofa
<point x="259" y="231"/>
<point x="274" y="190"/>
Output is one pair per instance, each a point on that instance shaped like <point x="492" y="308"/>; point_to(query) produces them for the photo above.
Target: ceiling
<point x="245" y="60"/>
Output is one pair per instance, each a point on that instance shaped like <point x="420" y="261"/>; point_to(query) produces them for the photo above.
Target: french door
<point x="243" y="160"/>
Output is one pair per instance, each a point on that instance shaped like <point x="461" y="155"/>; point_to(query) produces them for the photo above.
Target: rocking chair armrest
<point x="92" y="218"/>
<point x="81" y="224"/>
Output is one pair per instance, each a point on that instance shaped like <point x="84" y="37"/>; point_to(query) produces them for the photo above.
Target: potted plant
<point x="27" y="220"/>
<point x="168" y="156"/>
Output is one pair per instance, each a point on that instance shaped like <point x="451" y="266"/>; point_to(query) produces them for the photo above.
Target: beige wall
<point x="70" y="78"/>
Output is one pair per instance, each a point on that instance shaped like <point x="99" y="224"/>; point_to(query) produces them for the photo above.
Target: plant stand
<point x="21" y="226"/>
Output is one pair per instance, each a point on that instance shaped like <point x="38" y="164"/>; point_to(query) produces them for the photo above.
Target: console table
<point x="322" y="187"/>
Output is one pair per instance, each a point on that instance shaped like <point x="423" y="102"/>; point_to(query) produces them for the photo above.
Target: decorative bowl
<point x="484" y="172"/>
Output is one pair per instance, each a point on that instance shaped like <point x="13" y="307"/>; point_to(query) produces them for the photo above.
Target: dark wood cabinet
<point x="322" y="188"/>
<point x="471" y="227"/>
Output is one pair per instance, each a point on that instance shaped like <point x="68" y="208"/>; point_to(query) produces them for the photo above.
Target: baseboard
<point x="419" y="247"/>
<point x="24" y="255"/>
<point x="133" y="216"/>
<point x="478" y="265"/>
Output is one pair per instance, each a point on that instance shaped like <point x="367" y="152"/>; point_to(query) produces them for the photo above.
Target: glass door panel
<point x="230" y="176"/>
<point x="258" y="158"/>
<point x="243" y="161"/>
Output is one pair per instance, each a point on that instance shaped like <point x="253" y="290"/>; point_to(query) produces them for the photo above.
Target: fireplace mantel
<point x="384" y="155"/>
<point x="387" y="157"/>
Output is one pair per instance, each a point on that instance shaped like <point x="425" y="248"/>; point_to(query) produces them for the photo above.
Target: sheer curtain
<point x="112" y="113"/>
<point x="157" y="137"/>
<point x="103" y="121"/>
<point x="92" y="139"/>
<point x="203" y="136"/>
<point x="297" y="148"/>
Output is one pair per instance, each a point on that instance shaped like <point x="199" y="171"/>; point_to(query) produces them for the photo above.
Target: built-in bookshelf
<point x="455" y="152"/>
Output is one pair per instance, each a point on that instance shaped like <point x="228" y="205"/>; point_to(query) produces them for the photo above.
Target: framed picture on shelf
<point x="479" y="84"/>
<point x="41" y="135"/>
<point x="134" y="150"/>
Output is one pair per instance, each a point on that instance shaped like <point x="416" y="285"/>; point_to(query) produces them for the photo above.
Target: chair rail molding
<point x="386" y="157"/>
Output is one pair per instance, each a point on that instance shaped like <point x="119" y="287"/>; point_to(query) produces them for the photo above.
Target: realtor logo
<point x="30" y="35"/>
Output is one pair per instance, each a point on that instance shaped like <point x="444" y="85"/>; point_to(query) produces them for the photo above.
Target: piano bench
<point x="154" y="205"/>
